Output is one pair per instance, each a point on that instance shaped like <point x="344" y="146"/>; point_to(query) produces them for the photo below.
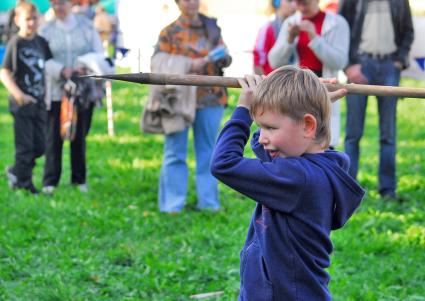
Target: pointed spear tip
<point x="90" y="76"/>
<point x="127" y="77"/>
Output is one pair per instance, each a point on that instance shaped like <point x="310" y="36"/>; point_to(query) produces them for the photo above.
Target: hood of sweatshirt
<point x="347" y="192"/>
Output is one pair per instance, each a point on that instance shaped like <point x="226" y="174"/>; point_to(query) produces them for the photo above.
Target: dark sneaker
<point x="394" y="198"/>
<point x="32" y="189"/>
<point x="11" y="177"/>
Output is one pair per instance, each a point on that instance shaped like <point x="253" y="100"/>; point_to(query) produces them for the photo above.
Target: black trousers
<point x="54" y="146"/>
<point x="29" y="124"/>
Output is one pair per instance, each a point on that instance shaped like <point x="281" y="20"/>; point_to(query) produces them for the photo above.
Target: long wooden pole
<point x="232" y="82"/>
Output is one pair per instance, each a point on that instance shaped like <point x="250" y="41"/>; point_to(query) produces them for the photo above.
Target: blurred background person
<point x="319" y="41"/>
<point x="23" y="76"/>
<point x="198" y="39"/>
<point x="104" y="24"/>
<point x="70" y="36"/>
<point x="381" y="37"/>
<point x="268" y="33"/>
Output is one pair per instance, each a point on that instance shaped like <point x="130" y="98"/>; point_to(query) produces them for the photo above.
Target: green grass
<point x="112" y="244"/>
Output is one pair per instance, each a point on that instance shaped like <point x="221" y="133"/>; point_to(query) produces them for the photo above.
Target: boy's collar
<point x="26" y="37"/>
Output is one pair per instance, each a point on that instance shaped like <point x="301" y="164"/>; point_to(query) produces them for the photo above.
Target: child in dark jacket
<point x="302" y="188"/>
<point x="23" y="76"/>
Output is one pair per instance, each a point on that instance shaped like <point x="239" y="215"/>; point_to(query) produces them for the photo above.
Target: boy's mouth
<point x="273" y="153"/>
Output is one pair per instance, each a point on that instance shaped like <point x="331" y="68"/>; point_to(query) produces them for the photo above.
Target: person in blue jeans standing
<point x="381" y="37"/>
<point x="198" y="39"/>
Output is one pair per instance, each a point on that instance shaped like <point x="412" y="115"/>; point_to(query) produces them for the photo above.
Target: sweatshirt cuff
<point x="242" y="113"/>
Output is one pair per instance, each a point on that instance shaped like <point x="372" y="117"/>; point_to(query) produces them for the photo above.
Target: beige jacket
<point x="169" y="108"/>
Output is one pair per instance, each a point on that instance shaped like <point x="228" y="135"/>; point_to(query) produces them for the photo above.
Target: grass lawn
<point x="113" y="244"/>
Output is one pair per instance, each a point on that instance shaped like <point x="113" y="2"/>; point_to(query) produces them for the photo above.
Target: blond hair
<point x="294" y="92"/>
<point x="25" y="7"/>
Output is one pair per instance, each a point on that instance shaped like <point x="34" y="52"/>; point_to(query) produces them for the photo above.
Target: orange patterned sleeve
<point x="164" y="43"/>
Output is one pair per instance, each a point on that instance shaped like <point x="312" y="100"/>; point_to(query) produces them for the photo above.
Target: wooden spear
<point x="232" y="82"/>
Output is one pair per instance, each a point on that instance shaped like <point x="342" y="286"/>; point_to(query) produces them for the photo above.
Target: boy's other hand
<point x="25" y="99"/>
<point x="29" y="99"/>
<point x="335" y="95"/>
<point x="248" y="84"/>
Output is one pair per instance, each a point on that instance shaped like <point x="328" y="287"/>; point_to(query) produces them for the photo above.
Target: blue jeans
<point x="378" y="72"/>
<point x="173" y="181"/>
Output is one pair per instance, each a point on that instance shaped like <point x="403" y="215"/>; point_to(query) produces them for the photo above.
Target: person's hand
<point x="28" y="99"/>
<point x="198" y="64"/>
<point x="293" y="32"/>
<point x="308" y="26"/>
<point x="398" y="65"/>
<point x="24" y="99"/>
<point x="337" y="94"/>
<point x="66" y="72"/>
<point x="248" y="84"/>
<point x="80" y="71"/>
<point x="355" y="75"/>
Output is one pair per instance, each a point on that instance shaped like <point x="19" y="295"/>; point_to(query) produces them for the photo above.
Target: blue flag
<point x="421" y="62"/>
<point x="122" y="51"/>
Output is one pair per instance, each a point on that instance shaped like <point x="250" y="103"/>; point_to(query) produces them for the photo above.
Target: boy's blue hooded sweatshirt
<point x="299" y="201"/>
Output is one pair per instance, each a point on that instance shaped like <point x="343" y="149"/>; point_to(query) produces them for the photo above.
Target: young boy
<point x="22" y="75"/>
<point x="302" y="188"/>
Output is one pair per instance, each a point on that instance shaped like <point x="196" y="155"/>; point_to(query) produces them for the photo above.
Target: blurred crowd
<point x="49" y="101"/>
<point x="106" y="24"/>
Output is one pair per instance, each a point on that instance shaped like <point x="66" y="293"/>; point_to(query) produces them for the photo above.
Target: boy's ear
<point x="310" y="126"/>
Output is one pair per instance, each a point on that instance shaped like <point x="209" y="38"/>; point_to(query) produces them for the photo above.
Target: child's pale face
<point x="27" y="23"/>
<point x="281" y="135"/>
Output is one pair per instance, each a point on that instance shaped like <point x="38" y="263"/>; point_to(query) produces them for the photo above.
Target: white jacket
<point x="169" y="108"/>
<point x="331" y="48"/>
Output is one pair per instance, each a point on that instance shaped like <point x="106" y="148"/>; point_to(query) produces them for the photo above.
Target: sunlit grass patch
<point x="113" y="244"/>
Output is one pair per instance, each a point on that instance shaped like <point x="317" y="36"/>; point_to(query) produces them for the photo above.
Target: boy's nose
<point x="262" y="139"/>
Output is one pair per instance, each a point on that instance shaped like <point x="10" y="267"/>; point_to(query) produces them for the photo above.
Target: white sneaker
<point x="48" y="189"/>
<point x="11" y="177"/>
<point x="83" y="188"/>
